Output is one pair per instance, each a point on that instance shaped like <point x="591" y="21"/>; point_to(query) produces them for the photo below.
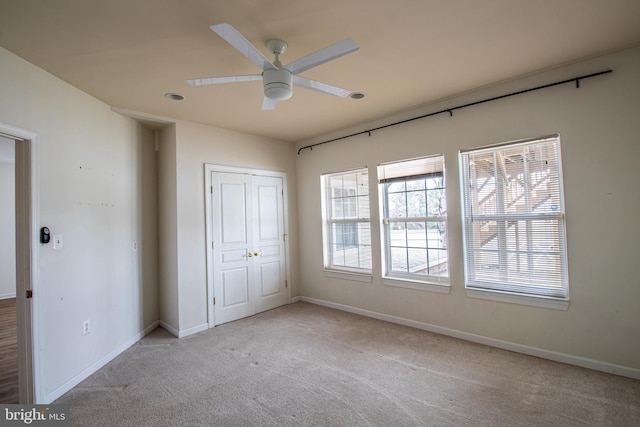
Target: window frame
<point x="520" y="293"/>
<point x="331" y="268"/>
<point x="425" y="282"/>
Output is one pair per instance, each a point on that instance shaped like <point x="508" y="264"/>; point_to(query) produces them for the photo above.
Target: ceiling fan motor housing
<point x="277" y="83"/>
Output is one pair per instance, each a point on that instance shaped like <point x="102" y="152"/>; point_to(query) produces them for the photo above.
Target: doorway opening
<point x="8" y="327"/>
<point x="24" y="229"/>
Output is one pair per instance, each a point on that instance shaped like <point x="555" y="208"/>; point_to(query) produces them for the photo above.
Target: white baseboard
<point x="173" y="331"/>
<point x="96" y="366"/>
<point x="184" y="333"/>
<point x="194" y="330"/>
<point x="7" y="296"/>
<point x="583" y="362"/>
<point x="294" y="300"/>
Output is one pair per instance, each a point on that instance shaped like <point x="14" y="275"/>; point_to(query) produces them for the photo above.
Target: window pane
<point x="416" y="184"/>
<point x="350" y="182"/>
<point x="363" y="183"/>
<point x="398" y="234"/>
<point x="436" y="203"/>
<point x="417" y="261"/>
<point x="396" y="186"/>
<point x="438" y="264"/>
<point x="416" y="235"/>
<point x="337" y="208"/>
<point x="362" y="206"/>
<point x="415" y="249"/>
<point x="435" y="182"/>
<point x="399" y="261"/>
<point x="436" y="235"/>
<point x="513" y="218"/>
<point x="347" y="238"/>
<point x="352" y="245"/>
<point x="416" y="204"/>
<point x="397" y="204"/>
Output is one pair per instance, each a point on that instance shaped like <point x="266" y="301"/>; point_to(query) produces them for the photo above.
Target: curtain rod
<point x="452" y="109"/>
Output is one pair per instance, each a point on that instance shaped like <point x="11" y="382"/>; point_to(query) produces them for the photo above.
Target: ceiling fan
<point x="276" y="78"/>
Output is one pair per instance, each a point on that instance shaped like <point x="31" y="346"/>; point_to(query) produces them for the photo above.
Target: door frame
<point x="208" y="189"/>
<point x="27" y="219"/>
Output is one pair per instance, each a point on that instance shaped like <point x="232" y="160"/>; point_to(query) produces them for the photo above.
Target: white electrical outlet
<point x="86" y="327"/>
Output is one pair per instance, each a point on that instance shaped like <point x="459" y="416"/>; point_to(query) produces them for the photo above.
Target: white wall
<point x="93" y="185"/>
<point x="168" y="229"/>
<point x="599" y="129"/>
<point x="102" y="186"/>
<point x="7" y="219"/>
<point x="197" y="145"/>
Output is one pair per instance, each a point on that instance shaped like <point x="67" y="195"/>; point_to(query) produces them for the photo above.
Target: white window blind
<point x="412" y="167"/>
<point x="513" y="218"/>
<point x="347" y="228"/>
<point x="414" y="211"/>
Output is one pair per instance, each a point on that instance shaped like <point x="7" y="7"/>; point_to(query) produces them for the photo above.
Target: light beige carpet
<point x="306" y="365"/>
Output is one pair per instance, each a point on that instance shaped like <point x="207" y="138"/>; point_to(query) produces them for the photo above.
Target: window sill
<point x="441" y="288"/>
<point x="530" y="300"/>
<point x="349" y="275"/>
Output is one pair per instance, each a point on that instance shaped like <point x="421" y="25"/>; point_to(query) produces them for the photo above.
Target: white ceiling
<point x="129" y="53"/>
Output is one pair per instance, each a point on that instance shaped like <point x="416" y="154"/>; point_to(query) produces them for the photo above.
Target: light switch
<point x="57" y="241"/>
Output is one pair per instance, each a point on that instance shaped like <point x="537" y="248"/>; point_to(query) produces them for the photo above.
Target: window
<point x="347" y="229"/>
<point x="414" y="224"/>
<point x="513" y="218"/>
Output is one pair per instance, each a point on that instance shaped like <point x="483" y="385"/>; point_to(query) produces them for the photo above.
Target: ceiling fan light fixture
<point x="278" y="80"/>
<point x="277" y="84"/>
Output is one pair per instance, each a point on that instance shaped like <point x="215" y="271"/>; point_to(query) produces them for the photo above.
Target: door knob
<point x="256" y="253"/>
<point x="249" y="255"/>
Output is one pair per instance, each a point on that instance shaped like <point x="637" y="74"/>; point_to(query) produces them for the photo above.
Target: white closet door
<point x="249" y="271"/>
<point x="270" y="269"/>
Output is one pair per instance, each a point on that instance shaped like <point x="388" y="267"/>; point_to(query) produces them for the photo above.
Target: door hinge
<point x="284" y="237"/>
<point x="212" y="189"/>
<point x="213" y="244"/>
<point x="214" y="300"/>
<point x="286" y="284"/>
<point x="29" y="293"/>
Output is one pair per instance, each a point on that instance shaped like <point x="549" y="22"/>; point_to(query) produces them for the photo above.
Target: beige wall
<point x="599" y="129"/>
<point x="102" y="185"/>
<point x="146" y="217"/>
<point x="167" y="228"/>
<point x="92" y="179"/>
<point x="197" y="145"/>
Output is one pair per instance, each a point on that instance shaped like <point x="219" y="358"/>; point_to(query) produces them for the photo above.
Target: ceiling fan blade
<point x="268" y="104"/>
<point x="237" y="40"/>
<point x="320" y="87"/>
<point x="321" y="56"/>
<point x="219" y="80"/>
